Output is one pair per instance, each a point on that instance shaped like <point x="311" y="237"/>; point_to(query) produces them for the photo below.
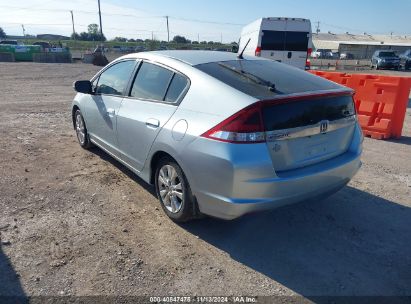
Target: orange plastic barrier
<point x="381" y="101"/>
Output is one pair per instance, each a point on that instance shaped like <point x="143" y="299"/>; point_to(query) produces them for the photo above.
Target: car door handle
<point x="111" y="112"/>
<point x="152" y="123"/>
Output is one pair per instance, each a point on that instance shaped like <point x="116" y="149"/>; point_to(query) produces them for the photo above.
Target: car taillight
<point x="307" y="60"/>
<point x="308" y="64"/>
<point x="258" y="51"/>
<point x="245" y="126"/>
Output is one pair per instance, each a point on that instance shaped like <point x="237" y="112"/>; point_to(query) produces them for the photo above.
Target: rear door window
<point x="114" y="80"/>
<point x="273" y="41"/>
<point x="177" y="87"/>
<point x="305" y="113"/>
<point x="264" y="79"/>
<point x="151" y="82"/>
<point x="284" y="41"/>
<point x="296" y="41"/>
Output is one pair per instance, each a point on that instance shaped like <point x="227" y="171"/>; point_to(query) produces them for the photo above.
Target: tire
<point x="81" y="130"/>
<point x="173" y="191"/>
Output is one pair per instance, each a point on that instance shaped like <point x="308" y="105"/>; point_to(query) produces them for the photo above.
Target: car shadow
<point x="108" y="158"/>
<point x="11" y="290"/>
<point x="353" y="243"/>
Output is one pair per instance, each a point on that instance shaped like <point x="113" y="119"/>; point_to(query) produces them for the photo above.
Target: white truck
<point x="286" y="40"/>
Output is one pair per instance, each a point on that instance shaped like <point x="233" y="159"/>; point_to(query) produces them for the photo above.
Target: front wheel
<point x="174" y="192"/>
<point x="81" y="130"/>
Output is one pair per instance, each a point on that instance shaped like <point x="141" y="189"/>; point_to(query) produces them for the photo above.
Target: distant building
<point x="52" y="37"/>
<point x="361" y="46"/>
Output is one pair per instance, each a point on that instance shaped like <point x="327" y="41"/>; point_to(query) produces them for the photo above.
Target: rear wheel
<point x="174" y="192"/>
<point x="81" y="130"/>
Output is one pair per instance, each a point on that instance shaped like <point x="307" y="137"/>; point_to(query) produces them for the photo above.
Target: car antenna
<point x="240" y="56"/>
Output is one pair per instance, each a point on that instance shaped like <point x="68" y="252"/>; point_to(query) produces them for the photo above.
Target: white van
<point x="286" y="40"/>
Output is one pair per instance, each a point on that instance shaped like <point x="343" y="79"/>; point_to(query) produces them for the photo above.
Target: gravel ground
<point x="76" y="222"/>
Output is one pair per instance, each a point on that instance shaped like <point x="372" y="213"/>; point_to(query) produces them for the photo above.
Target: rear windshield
<point x="387" y="54"/>
<point x="303" y="113"/>
<point x="284" y="41"/>
<point x="264" y="79"/>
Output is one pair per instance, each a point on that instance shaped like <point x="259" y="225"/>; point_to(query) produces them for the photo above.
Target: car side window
<point x="177" y="86"/>
<point x="151" y="82"/>
<point x="114" y="80"/>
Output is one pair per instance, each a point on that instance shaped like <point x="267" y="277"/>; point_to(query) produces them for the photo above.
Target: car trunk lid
<point x="305" y="130"/>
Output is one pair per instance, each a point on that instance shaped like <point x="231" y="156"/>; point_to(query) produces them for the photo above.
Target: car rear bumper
<point x="229" y="180"/>
<point x="294" y="187"/>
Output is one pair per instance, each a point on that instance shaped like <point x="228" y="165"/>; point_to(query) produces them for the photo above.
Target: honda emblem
<point x="324" y="126"/>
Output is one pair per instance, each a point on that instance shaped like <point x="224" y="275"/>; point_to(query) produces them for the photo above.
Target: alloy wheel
<point x="170" y="188"/>
<point x="80" y="129"/>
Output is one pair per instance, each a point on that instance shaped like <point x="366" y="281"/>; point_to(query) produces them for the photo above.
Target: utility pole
<point x="72" y="22"/>
<point x="318" y="27"/>
<point x="168" y="30"/>
<point x="101" y="27"/>
<point x="221" y="38"/>
<point x="24" y="30"/>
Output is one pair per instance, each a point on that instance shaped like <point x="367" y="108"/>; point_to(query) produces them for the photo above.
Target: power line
<point x="127" y="15"/>
<point x="207" y="21"/>
<point x="79" y="11"/>
<point x="343" y="28"/>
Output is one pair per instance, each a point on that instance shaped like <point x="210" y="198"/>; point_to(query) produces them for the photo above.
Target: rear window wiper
<point x="258" y="80"/>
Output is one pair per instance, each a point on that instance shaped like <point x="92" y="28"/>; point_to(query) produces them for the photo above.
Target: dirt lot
<point x="74" y="222"/>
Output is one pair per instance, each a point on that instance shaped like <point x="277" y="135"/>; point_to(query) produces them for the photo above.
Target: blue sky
<point x="142" y="19"/>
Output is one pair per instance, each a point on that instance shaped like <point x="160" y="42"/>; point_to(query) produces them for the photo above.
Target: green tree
<point x="75" y="36"/>
<point x="120" y="39"/>
<point x="93" y="29"/>
<point x="2" y="33"/>
<point x="180" y="39"/>
<point x="93" y="33"/>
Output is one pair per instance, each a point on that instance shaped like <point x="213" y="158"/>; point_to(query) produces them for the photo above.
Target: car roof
<point x="191" y="57"/>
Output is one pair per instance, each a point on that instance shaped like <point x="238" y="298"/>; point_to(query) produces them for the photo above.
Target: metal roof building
<point x="361" y="46"/>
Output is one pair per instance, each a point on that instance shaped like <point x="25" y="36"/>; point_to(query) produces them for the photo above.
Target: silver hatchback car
<point x="221" y="135"/>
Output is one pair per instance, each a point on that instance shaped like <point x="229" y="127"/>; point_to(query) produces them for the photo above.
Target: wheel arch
<point x="73" y="112"/>
<point x="157" y="156"/>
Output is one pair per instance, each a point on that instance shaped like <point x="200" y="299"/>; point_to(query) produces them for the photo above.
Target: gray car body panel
<point x="228" y="180"/>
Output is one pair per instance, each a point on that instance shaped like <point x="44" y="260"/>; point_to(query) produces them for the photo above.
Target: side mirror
<point x="83" y="86"/>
